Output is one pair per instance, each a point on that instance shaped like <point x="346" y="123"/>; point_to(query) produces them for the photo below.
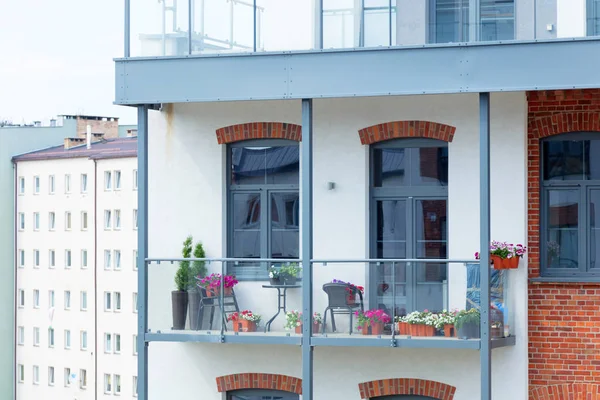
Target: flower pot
<point x="496" y="262"/>
<point x="403" y="328"/>
<point x="274" y="281"/>
<point x="179" y="304"/>
<point x="374" y="328"/>
<point x="290" y="280"/>
<point x="216" y="291"/>
<point x="194" y="306"/>
<point x="505" y="263"/>
<point x="350" y="298"/>
<point x="450" y="330"/>
<point x="245" y="326"/>
<point x="316" y="328"/>
<point x="469" y="330"/>
<point x="421" y="330"/>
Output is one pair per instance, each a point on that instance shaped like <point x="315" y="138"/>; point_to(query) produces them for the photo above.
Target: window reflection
<point x="572" y="160"/>
<point x="562" y="232"/>
<point x="265" y="165"/>
<point x="427" y="166"/>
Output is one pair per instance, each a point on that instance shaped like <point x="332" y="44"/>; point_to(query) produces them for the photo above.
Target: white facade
<point x="187" y="196"/>
<point x="75" y="280"/>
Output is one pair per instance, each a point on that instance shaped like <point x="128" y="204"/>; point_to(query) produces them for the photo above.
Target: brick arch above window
<point x="259" y="130"/>
<point x="564" y="122"/>
<point x="283" y="383"/>
<point x="406" y="129"/>
<point x="567" y="391"/>
<point x="406" y="386"/>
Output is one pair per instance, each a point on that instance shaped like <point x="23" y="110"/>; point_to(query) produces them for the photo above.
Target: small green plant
<point x="291" y="270"/>
<point x="467" y="317"/>
<point x="183" y="272"/>
<point x="198" y="269"/>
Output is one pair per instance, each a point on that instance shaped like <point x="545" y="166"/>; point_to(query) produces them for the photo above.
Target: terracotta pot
<point x="496" y="262"/>
<point x="505" y="263"/>
<point x="403" y="328"/>
<point x="413" y="329"/>
<point x="316" y="328"/>
<point x="375" y="328"/>
<point x="421" y="330"/>
<point x="450" y="331"/>
<point x="216" y="292"/>
<point x="236" y="326"/>
<point x="246" y="326"/>
<point x="351" y="298"/>
<point x="299" y="330"/>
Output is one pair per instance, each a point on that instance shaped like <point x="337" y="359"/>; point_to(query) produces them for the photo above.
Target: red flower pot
<point x="450" y="331"/>
<point x="245" y="326"/>
<point x="505" y="263"/>
<point x="216" y="292"/>
<point x="299" y="330"/>
<point x="403" y="328"/>
<point x="316" y="328"/>
<point x="421" y="330"/>
<point x="375" y="328"/>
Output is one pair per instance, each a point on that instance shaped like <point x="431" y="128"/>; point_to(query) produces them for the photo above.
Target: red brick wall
<point x="564" y="318"/>
<point x="406" y="386"/>
<point x="259" y="130"/>
<point x="259" y="381"/>
<point x="406" y="129"/>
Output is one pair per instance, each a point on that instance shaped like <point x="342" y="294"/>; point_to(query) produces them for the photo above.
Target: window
<point x="107" y="180"/>
<point x="36" y="336"/>
<point x="21" y="298"/>
<point x="108" y="343"/>
<point x="36" y="185"/>
<point x="135" y="302"/>
<point x="67" y="339"/>
<point x="107" y="384"/>
<point x="36" y="298"/>
<point x="67" y="376"/>
<point x="117" y="298"/>
<point x="135" y="260"/>
<point x="67" y="299"/>
<point x="51" y="259"/>
<point x="107" y="219"/>
<point x="450" y="21"/>
<point x="83" y="300"/>
<point x="107" y="301"/>
<point x="50" y="376"/>
<point x="117" y="380"/>
<point x="117" y="219"/>
<point x="21" y="221"/>
<point x="21" y="373"/>
<point x="36" y="258"/>
<point x="83" y="183"/>
<point x="36" y="221"/>
<point x="117" y="259"/>
<point x="260" y="394"/>
<point x="67" y="183"/>
<point x="135" y="386"/>
<point x="36" y="375"/>
<point x="84" y="260"/>
<point x="50" y="337"/>
<point x="107" y="259"/>
<point x="21" y="258"/>
<point x="67" y="259"/>
<point x="68" y="221"/>
<point x="117" y="180"/>
<point x="83" y="340"/>
<point x="135" y="345"/>
<point x="51" y="220"/>
<point x="50" y="298"/>
<point x="84" y="220"/>
<point x="263" y="204"/>
<point x="135" y="219"/>
<point x="21" y="185"/>
<point x="569" y="223"/>
<point x="117" y="343"/>
<point x="135" y="179"/>
<point x="51" y="184"/>
<point x="593" y="17"/>
<point x="21" y="335"/>
<point x="82" y="378"/>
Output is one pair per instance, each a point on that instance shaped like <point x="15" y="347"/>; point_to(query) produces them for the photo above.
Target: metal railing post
<point x="127" y="28"/>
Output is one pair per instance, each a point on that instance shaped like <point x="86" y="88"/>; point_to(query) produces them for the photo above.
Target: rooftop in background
<point x="107" y="148"/>
<point x="89" y="117"/>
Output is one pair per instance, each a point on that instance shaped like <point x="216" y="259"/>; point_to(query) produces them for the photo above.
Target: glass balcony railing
<point x="183" y="27"/>
<point x="382" y="299"/>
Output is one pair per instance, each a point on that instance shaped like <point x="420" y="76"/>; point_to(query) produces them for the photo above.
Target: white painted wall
<point x="186" y="197"/>
<point x="571" y="18"/>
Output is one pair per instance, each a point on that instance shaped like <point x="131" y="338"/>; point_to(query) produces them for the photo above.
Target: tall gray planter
<point x="469" y="330"/>
<point x="179" y="302"/>
<point x="194" y="306"/>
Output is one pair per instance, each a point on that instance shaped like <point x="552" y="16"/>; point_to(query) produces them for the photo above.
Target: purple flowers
<point x="214" y="281"/>
<point x="505" y="250"/>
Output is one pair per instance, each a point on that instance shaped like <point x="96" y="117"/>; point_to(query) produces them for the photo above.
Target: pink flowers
<point x="213" y="281"/>
<point x="371" y="317"/>
<point x="505" y="250"/>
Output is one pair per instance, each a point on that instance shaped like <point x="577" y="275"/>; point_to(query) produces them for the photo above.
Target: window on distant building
<point x="36" y="298"/>
<point x="83" y="340"/>
<point x="254" y="189"/>
<point x="593" y="17"/>
<point x="36" y="221"/>
<point x="135" y="260"/>
<point x="67" y="259"/>
<point x="67" y="377"/>
<point x="36" y="336"/>
<point x="21" y="298"/>
<point x="107" y="180"/>
<point x="68" y="221"/>
<point x="135" y="179"/>
<point x="135" y="219"/>
<point x="82" y="379"/>
<point x="135" y="302"/>
<point x="67" y="339"/>
<point x="117" y="219"/>
<point x="21" y="373"/>
<point x="21" y="221"/>
<point x="36" y="258"/>
<point x="51" y="258"/>
<point x="107" y="301"/>
<point x="84" y="259"/>
<point x="117" y="254"/>
<point x="21" y="258"/>
<point x="51" y="220"/>
<point x="36" y="185"/>
<point x="84" y="220"/>
<point x="117" y="384"/>
<point x="107" y="259"/>
<point x="36" y="375"/>
<point x="108" y="343"/>
<point x="117" y="180"/>
<point x="50" y="337"/>
<point x="135" y="386"/>
<point x="117" y="339"/>
<point x="67" y="299"/>
<point x="51" y="184"/>
<point x="50" y="376"/>
<point x="84" y="183"/>
<point x="67" y="183"/>
<point x="260" y="394"/>
<point x="21" y="335"/>
<point x="50" y="298"/>
<point x="107" y="384"/>
<point x="21" y="185"/>
<point x="83" y="300"/>
<point x="117" y="300"/>
<point x="135" y="345"/>
<point x="107" y="219"/>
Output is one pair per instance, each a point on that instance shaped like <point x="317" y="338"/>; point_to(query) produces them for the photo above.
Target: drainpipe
<point x="95" y="279"/>
<point x="14" y="308"/>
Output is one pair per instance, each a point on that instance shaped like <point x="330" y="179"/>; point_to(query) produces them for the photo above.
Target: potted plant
<point x="402" y="326"/>
<point x="505" y="255"/>
<point x="553" y="251"/>
<point x="212" y="284"/>
<point x="293" y="320"/>
<point x="467" y="323"/>
<point x="244" y="321"/>
<point x="351" y="290"/>
<point x="274" y="276"/>
<point x="289" y="273"/>
<point x="421" y="323"/>
<point x="445" y="322"/>
<point x="197" y="272"/>
<point x="371" y="322"/>
<point x="179" y="297"/>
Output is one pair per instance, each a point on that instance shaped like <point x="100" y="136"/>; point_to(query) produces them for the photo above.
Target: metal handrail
<point x="320" y="261"/>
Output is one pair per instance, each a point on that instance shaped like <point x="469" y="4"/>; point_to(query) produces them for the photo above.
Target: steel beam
<point x="127" y="29"/>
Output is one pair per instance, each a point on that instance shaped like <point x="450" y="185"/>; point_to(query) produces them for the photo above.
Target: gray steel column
<point x="253" y="24"/>
<point x="126" y="35"/>
<point x="319" y="24"/>
<point x="142" y="357"/>
<point x="190" y="25"/>
<point x="484" y="232"/>
<point x="307" y="247"/>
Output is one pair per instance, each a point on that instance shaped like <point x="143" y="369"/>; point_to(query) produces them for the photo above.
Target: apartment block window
<point x="84" y="220"/>
<point x="117" y="380"/>
<point x="51" y="220"/>
<point x="51" y="184"/>
<point x="107" y="259"/>
<point x="82" y="379"/>
<point x="67" y="339"/>
<point x="117" y="180"/>
<point x="135" y="302"/>
<point x="36" y="375"/>
<point x="84" y="259"/>
<point x="117" y="254"/>
<point x="135" y="260"/>
<point x="135" y="179"/>
<point x="84" y="183"/>
<point x="135" y="386"/>
<point x="68" y="221"/>
<point x="50" y="298"/>
<point x="117" y="298"/>
<point x="83" y="340"/>
<point x="36" y="258"/>
<point x="21" y="373"/>
<point x="21" y="298"/>
<point x="50" y="337"/>
<point x="107" y="301"/>
<point x="67" y="299"/>
<point x="117" y="219"/>
<point x="21" y="221"/>
<point x="135" y="345"/>
<point x="117" y="338"/>
<point x="83" y="301"/>
<point x="67" y="259"/>
<point x="51" y="258"/>
<point x="107" y="219"/>
<point x="36" y="336"/>
<point x="67" y="183"/>
<point x="36" y="221"/>
<point x="135" y="219"/>
<point x="36" y="298"/>
<point x="50" y="376"/>
<point x="107" y="180"/>
<point x="108" y="343"/>
<point x="22" y="258"/>
<point x="21" y="185"/>
<point x="36" y="185"/>
<point x="107" y="384"/>
<point x="67" y="377"/>
<point x="21" y="335"/>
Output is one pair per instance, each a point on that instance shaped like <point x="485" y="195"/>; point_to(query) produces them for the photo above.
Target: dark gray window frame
<point x="261" y="392"/>
<point x="402" y="397"/>
<point x="408" y="192"/>
<point x="590" y="8"/>
<point x="583" y="273"/>
<point x="264" y="191"/>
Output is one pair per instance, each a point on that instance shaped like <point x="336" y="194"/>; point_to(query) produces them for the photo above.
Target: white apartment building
<point x="76" y="275"/>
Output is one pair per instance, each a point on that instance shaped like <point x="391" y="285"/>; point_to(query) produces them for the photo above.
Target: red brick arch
<point x="406" y="386"/>
<point x="283" y="383"/>
<point x="406" y="129"/>
<point x="567" y="391"/>
<point x="259" y="130"/>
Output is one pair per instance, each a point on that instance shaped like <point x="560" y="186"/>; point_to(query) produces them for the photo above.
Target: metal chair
<point x="230" y="305"/>
<point x="337" y="294"/>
